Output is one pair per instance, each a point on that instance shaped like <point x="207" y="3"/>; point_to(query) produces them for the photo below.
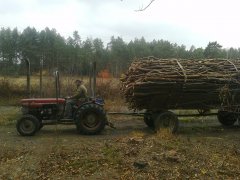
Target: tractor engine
<point x="49" y="112"/>
<point x="43" y="109"/>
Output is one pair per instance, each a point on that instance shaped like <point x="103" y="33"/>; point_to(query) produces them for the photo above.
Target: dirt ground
<point x="202" y="149"/>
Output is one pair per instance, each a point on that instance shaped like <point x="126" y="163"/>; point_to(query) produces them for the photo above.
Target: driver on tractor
<point x="80" y="93"/>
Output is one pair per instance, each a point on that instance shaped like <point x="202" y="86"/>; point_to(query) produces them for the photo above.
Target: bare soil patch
<point x="201" y="150"/>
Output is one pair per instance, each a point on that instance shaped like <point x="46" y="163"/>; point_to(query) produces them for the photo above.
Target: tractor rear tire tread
<point x="90" y="109"/>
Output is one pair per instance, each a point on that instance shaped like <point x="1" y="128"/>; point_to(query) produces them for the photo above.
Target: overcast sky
<point x="188" y="22"/>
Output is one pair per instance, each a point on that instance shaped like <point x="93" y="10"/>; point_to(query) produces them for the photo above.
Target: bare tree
<point x="143" y="8"/>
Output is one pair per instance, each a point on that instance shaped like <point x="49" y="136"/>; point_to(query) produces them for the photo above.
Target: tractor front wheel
<point x="90" y="119"/>
<point x="27" y="125"/>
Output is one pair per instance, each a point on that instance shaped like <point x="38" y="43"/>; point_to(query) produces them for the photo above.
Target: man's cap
<point x="78" y="81"/>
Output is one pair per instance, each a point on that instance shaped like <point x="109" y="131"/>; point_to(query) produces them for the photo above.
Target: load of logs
<point x="155" y="84"/>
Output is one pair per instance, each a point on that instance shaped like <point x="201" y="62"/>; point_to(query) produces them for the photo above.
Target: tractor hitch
<point x="110" y="124"/>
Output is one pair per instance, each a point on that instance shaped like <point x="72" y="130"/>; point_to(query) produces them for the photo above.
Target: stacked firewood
<point x="153" y="83"/>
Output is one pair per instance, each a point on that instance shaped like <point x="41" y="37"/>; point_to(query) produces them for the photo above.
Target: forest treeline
<point x="72" y="55"/>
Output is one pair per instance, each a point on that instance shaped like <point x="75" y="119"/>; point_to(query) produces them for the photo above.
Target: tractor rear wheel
<point x="167" y="121"/>
<point x="27" y="125"/>
<point x="90" y="119"/>
<point x="227" y="118"/>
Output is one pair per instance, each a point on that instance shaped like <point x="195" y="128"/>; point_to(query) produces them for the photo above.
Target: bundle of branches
<point x="153" y="83"/>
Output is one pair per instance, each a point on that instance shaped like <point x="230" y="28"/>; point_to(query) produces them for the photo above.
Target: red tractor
<point x="88" y="115"/>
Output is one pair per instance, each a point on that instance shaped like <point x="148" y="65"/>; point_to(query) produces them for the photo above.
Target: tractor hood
<point x="42" y="101"/>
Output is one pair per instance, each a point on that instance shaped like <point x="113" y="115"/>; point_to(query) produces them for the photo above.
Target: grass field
<point x="12" y="89"/>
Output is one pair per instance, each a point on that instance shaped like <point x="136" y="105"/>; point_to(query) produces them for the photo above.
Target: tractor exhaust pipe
<point x="28" y="77"/>
<point x="93" y="79"/>
<point x="57" y="84"/>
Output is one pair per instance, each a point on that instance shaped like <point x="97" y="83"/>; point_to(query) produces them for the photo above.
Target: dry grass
<point x="9" y="115"/>
<point x="14" y="88"/>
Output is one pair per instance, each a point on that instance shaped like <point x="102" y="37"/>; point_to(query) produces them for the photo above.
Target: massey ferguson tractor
<point x="88" y="115"/>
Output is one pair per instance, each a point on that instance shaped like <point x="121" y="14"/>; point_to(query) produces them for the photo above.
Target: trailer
<point x="158" y="85"/>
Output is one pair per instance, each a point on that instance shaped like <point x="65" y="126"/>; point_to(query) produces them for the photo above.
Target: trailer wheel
<point x="166" y="121"/>
<point x="27" y="125"/>
<point x="148" y="119"/>
<point x="227" y="118"/>
<point x="90" y="119"/>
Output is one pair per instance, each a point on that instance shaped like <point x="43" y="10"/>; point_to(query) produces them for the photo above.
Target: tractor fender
<point x="86" y="103"/>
